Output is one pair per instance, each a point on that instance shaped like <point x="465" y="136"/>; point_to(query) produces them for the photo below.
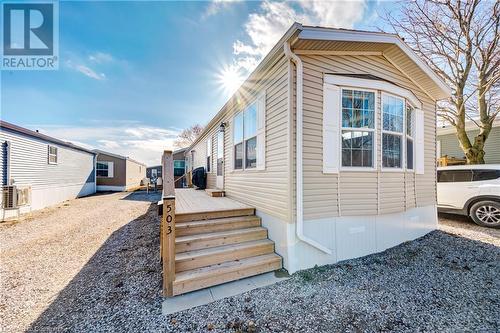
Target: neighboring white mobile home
<point x="38" y="170"/>
<point x="332" y="140"/>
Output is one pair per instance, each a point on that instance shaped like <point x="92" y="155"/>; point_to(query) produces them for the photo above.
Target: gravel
<point x="94" y="266"/>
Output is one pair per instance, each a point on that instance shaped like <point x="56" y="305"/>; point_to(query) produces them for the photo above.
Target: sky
<point x="132" y="75"/>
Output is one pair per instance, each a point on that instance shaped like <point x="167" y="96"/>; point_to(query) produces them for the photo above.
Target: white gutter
<point x="299" y="157"/>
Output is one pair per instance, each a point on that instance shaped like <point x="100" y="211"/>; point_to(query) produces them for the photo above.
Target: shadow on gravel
<point x="120" y="281"/>
<point x="143" y="196"/>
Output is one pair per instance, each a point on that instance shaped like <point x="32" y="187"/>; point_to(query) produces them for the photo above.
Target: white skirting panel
<point x="347" y="236"/>
<point x="42" y="197"/>
<point x="106" y="188"/>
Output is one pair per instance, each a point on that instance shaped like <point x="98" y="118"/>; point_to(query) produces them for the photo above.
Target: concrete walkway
<point x="209" y="295"/>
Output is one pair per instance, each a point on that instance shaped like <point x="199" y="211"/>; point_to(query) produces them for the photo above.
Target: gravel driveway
<point x="94" y="266"/>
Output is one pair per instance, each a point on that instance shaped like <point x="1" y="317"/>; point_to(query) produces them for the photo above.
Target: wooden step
<point x="215" y="225"/>
<point x="215" y="192"/>
<point x="228" y="271"/>
<point x="216" y="255"/>
<point x="187" y="217"/>
<point x="213" y="239"/>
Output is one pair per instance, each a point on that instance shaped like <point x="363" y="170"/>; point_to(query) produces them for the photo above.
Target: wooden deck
<point x="189" y="201"/>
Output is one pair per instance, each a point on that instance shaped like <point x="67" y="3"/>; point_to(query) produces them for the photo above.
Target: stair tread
<point x="228" y="266"/>
<point x="216" y="250"/>
<point x="222" y="220"/>
<point x="219" y="234"/>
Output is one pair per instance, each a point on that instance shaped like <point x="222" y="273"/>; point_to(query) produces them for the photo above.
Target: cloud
<point x="85" y="70"/>
<point x="265" y="27"/>
<point x="132" y="139"/>
<point x="216" y="6"/>
<point x="101" y="57"/>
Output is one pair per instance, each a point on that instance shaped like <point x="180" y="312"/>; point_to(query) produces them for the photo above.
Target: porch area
<point x="207" y="240"/>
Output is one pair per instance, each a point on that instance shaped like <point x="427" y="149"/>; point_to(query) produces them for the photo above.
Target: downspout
<point x="299" y="153"/>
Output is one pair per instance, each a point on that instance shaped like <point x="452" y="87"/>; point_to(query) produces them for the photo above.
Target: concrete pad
<point x="215" y="293"/>
<point x="186" y="301"/>
<point x="232" y="288"/>
<point x="266" y="279"/>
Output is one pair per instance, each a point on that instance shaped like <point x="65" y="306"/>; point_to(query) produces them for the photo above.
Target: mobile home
<point x="332" y="139"/>
<point x="118" y="173"/>
<point x="38" y="170"/>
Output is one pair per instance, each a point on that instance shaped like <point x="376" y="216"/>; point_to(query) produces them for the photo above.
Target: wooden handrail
<point x="167" y="227"/>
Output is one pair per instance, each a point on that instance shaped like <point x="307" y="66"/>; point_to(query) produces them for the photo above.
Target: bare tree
<point x="188" y="136"/>
<point x="460" y="41"/>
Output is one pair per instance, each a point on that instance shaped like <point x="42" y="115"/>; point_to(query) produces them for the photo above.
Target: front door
<point x="220" y="160"/>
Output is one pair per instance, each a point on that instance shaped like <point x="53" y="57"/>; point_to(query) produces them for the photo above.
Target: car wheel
<point x="486" y="213"/>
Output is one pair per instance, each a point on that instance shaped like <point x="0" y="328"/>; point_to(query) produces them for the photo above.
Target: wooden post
<point x="168" y="224"/>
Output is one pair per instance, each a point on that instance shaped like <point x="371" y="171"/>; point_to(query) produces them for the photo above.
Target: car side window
<point x="480" y="175"/>
<point x="454" y="176"/>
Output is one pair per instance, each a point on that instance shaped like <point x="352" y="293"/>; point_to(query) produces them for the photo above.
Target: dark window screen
<point x="454" y="176"/>
<point x="480" y="175"/>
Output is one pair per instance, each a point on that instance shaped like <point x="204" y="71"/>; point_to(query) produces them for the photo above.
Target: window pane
<point x="392" y="113"/>
<point x="102" y="166"/>
<point x="391" y="151"/>
<point x="357" y="148"/>
<point x="358" y="109"/>
<point x="346" y="157"/>
<point x="251" y="153"/>
<point x="250" y="121"/>
<point x="238" y="128"/>
<point x="479" y="175"/>
<point x="238" y="156"/>
<point x="208" y="163"/>
<point x="409" y="153"/>
<point x="448" y="176"/>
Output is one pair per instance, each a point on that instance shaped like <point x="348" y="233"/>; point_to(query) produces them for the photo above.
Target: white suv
<point x="472" y="190"/>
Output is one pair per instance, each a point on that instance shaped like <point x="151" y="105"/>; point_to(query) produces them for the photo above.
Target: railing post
<point x="168" y="224"/>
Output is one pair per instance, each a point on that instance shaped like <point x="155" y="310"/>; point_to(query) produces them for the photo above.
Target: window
<point x="358" y="126"/>
<point x="410" y="135"/>
<point x="154" y="173"/>
<point x="238" y="141"/>
<point x="481" y="175"/>
<point x="209" y="153"/>
<point x="392" y="131"/>
<point x="245" y="138"/>
<point x="179" y="166"/>
<point x="453" y="176"/>
<point x="52" y="157"/>
<point x="220" y="152"/>
<point x="104" y="169"/>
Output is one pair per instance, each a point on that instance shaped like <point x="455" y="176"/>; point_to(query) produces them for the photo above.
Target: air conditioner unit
<point x="23" y="196"/>
<point x="9" y="197"/>
<point x="14" y="197"/>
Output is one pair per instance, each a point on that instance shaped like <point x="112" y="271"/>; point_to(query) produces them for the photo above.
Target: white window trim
<point x="209" y="155"/>
<point x="49" y="155"/>
<point x="359" y="129"/>
<point x="402" y="135"/>
<point x="255" y="102"/>
<point x="357" y="83"/>
<point x="111" y="166"/>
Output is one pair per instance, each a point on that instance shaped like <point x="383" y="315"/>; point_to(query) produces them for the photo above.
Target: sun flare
<point x="230" y="79"/>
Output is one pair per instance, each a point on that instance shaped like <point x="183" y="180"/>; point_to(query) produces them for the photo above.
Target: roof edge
<point x="98" y="151"/>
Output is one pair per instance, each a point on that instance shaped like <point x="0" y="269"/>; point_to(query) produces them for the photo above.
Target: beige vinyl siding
<point x="266" y="190"/>
<point x="135" y="172"/>
<point x="451" y="147"/>
<point x="360" y="193"/>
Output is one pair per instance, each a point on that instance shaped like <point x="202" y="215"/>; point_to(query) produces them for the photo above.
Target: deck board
<point x="188" y="201"/>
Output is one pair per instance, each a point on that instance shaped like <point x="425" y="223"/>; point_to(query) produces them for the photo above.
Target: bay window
<point x="358" y="126"/>
<point x="392" y="131"/>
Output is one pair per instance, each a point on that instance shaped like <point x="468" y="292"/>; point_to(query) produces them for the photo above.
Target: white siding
<point x="71" y="177"/>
